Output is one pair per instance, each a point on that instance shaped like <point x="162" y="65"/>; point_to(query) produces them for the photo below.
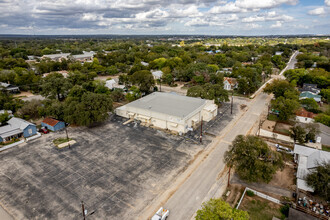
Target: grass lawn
<point x="272" y="117"/>
<point x="261" y="209"/>
<point x="325" y="148"/>
<point x="58" y="141"/>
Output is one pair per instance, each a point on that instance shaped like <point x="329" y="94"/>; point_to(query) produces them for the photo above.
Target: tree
<point x="4" y="118"/>
<point x="298" y="133"/>
<point x="217" y="209"/>
<point x="278" y="87"/>
<point x="319" y="180"/>
<point x="323" y="118"/>
<point x="92" y="108"/>
<point x="144" y="80"/>
<point x="30" y="109"/>
<point x="252" y="159"/>
<point x="310" y="105"/>
<point x="55" y="86"/>
<point x="209" y="91"/>
<point x="286" y="107"/>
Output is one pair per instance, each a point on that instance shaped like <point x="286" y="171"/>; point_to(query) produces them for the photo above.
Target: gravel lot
<point x="115" y="169"/>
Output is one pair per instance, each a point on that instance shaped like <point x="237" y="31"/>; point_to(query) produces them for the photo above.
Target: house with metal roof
<point x="309" y="95"/>
<point x="85" y="57"/>
<point x="170" y="111"/>
<point x="52" y="124"/>
<point x="16" y="128"/>
<point x="9" y="88"/>
<point x="230" y="83"/>
<point x="113" y="84"/>
<point x="308" y="159"/>
<point x="157" y="74"/>
<point x="304" y="116"/>
<point x="56" y="57"/>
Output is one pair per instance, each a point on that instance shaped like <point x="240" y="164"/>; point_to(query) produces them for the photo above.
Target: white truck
<point x="161" y="214"/>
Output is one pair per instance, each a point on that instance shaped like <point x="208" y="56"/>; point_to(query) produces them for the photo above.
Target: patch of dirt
<point x="236" y="191"/>
<point x="268" y="125"/>
<point x="284" y="178"/>
<point x="24" y="94"/>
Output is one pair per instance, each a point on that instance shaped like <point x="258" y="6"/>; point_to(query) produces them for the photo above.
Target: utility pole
<point x="83" y="209"/>
<point x="201" y="136"/>
<point x="67" y="136"/>
<point x="231" y="104"/>
<point x="228" y="183"/>
<point x="160" y="84"/>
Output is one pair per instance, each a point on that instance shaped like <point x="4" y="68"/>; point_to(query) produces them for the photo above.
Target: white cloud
<point x="317" y="11"/>
<point x="278" y="24"/>
<point x="262" y="4"/>
<point x="327" y="2"/>
<point x="270" y="16"/>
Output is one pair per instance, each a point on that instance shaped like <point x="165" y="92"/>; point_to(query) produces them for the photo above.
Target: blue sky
<point x="209" y="17"/>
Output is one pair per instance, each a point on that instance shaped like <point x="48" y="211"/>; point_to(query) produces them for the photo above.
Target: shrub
<point x="249" y="193"/>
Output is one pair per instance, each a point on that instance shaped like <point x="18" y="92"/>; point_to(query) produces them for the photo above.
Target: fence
<point x="269" y="198"/>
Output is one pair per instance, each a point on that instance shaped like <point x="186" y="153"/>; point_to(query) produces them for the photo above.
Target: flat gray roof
<point x="167" y="103"/>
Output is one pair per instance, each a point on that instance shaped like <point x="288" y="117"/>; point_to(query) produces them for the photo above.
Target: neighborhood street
<point x="187" y="199"/>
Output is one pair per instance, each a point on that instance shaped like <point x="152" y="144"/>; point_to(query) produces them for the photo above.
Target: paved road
<point x="189" y="197"/>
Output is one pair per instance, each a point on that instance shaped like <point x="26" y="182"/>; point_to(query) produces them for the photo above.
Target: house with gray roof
<point x="308" y="159"/>
<point x="16" y="128"/>
<point x="9" y="88"/>
<point x="157" y="74"/>
<point x="85" y="57"/>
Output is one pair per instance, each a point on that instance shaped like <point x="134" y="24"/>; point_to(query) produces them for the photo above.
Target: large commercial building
<point x="170" y="111"/>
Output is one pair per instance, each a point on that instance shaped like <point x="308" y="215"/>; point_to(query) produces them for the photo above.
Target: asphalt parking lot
<point x="115" y="169"/>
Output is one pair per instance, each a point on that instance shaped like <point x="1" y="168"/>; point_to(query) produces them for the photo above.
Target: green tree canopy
<point x="252" y="159"/>
<point x="319" y="180"/>
<point x="143" y="79"/>
<point x="55" y="86"/>
<point x="278" y="87"/>
<point x="209" y="91"/>
<point x="217" y="209"/>
<point x="92" y="108"/>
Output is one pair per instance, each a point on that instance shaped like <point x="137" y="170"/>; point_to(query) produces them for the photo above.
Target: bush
<point x="249" y="193"/>
<point x="285" y="210"/>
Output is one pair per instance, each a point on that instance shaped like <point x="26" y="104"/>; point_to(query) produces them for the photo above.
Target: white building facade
<point x="170" y="111"/>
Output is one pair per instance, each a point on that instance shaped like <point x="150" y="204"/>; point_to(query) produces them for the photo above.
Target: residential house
<point x="278" y="52"/>
<point x="144" y="63"/>
<point x="308" y="159"/>
<point x="85" y="57"/>
<point x="52" y="124"/>
<point x="310" y="88"/>
<point x="309" y="95"/>
<point x="63" y="72"/>
<point x="9" y="88"/>
<point x="9" y="112"/>
<point x="113" y="84"/>
<point x="16" y="128"/>
<point x="229" y="83"/>
<point x="56" y="57"/>
<point x="157" y="74"/>
<point x="304" y="116"/>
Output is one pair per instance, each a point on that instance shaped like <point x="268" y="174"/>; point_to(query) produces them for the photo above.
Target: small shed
<point x="52" y="124"/>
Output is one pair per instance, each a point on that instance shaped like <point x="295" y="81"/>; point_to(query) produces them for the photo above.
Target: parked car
<point x="161" y="214"/>
<point x="283" y="149"/>
<point x="43" y="130"/>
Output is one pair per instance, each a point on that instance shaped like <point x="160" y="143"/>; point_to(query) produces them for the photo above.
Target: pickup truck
<point x="161" y="214"/>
